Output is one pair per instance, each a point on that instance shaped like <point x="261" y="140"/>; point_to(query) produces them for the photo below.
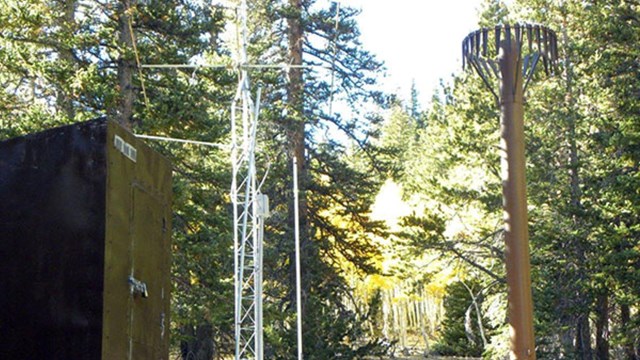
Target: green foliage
<point x="62" y="62"/>
<point x="399" y="136"/>
<point x="339" y="168"/>
<point x="59" y="63"/>
<point x="455" y="340"/>
<point x="493" y="12"/>
<point x="581" y="131"/>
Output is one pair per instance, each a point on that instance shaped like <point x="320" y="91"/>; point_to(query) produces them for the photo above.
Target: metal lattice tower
<point x="250" y="208"/>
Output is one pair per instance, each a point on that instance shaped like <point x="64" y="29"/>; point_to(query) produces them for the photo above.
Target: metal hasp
<point x="85" y="231"/>
<point x="506" y="57"/>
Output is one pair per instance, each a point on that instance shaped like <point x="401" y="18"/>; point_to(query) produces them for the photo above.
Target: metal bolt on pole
<point x="510" y="54"/>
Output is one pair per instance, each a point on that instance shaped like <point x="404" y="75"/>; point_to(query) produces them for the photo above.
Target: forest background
<point x="401" y="217"/>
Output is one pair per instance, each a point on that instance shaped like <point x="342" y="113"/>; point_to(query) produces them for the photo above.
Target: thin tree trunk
<point x="566" y="340"/>
<point x="636" y="337"/>
<point x="125" y="66"/>
<point x="583" y="339"/>
<point x="424" y="330"/>
<point x="386" y="313"/>
<point x="295" y="125"/>
<point x="625" y="320"/>
<point x="67" y="22"/>
<point x="197" y="343"/>
<point x="476" y="306"/>
<point x="602" y="327"/>
<point x="583" y="331"/>
<point x="402" y="323"/>
<point x="413" y="310"/>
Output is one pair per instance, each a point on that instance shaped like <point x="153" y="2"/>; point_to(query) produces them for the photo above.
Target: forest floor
<point x="423" y="357"/>
<point x="420" y="357"/>
<point x="416" y="353"/>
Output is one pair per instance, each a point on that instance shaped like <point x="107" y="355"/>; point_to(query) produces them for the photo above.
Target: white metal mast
<point x="296" y="208"/>
<point x="250" y="207"/>
<point x="249" y="210"/>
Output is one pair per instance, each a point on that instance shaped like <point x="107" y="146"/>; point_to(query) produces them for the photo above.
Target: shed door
<point x="148" y="320"/>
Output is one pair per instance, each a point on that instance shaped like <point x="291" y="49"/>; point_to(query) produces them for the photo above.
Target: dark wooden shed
<point x="85" y="226"/>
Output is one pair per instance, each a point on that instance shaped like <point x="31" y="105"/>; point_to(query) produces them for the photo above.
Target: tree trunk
<point x="198" y="344"/>
<point x="67" y="22"/>
<point x="422" y="318"/>
<point x="627" y="328"/>
<point x="583" y="331"/>
<point x="636" y="336"/>
<point x="386" y="314"/>
<point x="602" y="327"/>
<point x="566" y="339"/>
<point x="295" y="132"/>
<point x="125" y="66"/>
<point x="583" y="339"/>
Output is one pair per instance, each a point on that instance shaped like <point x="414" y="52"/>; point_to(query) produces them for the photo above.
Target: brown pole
<point x="515" y="203"/>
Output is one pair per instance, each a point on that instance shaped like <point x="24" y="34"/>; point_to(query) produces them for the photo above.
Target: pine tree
<point x="67" y="61"/>
<point x="336" y="169"/>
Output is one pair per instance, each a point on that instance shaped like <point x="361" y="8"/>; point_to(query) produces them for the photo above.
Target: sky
<point x="419" y="40"/>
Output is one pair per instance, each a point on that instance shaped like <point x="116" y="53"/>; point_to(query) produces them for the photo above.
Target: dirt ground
<point x="416" y="357"/>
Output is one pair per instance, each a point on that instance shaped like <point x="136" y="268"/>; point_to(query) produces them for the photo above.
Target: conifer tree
<point x="326" y="67"/>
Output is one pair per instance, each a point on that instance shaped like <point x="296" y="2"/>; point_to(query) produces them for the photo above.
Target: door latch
<point x="138" y="287"/>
